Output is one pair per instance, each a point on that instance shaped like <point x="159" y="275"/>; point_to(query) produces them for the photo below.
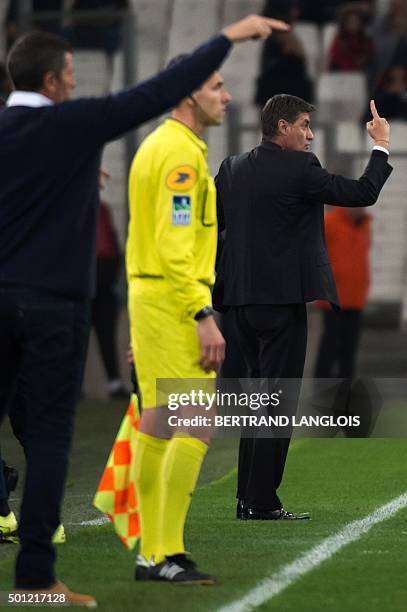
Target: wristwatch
<point x="206" y="311"/>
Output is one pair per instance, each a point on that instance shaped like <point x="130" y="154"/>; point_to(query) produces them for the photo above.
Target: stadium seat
<point x="341" y="96"/>
<point x="309" y="36"/>
<point x="250" y="139"/>
<point x="389" y="231"/>
<point x="153" y="17"/>
<point x="91" y="77"/>
<point x="217" y="140"/>
<point x="192" y="21"/>
<point x="250" y="114"/>
<point x="318" y="145"/>
<point x="349" y="137"/>
<point x="90" y="72"/>
<point x="240" y="72"/>
<point x="236" y="9"/>
<point x="241" y="68"/>
<point x="328" y="32"/>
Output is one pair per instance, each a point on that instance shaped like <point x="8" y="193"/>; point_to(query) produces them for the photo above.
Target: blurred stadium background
<point x="148" y="32"/>
<point x="354" y="476"/>
<point x="140" y="35"/>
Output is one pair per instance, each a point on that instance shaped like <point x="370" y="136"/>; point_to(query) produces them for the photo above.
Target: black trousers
<point x="43" y="343"/>
<point x="273" y="340"/>
<point x="234" y="365"/>
<point x="339" y="344"/>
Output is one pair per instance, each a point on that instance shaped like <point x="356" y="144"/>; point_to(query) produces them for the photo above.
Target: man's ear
<point x="48" y="82"/>
<point x="282" y="126"/>
<point x="191" y="100"/>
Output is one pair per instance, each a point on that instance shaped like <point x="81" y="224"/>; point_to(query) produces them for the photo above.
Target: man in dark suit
<point x="274" y="260"/>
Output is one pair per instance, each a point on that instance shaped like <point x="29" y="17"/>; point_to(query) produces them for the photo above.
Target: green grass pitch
<point x="337" y="480"/>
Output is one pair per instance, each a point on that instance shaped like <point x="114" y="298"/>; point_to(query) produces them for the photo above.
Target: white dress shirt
<point x="28" y="98"/>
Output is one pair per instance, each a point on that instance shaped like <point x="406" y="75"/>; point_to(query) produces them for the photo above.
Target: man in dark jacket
<point x="49" y="167"/>
<point x="274" y="260"/>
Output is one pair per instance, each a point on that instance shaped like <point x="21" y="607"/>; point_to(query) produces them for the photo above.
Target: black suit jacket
<point x="271" y="204"/>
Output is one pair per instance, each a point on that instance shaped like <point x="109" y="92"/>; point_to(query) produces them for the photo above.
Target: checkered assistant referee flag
<point x="116" y="494"/>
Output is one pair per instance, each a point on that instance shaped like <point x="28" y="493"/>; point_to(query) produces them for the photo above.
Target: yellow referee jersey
<point x="173" y="230"/>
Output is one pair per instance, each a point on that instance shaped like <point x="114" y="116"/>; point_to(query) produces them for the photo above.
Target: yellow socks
<point x="166" y="472"/>
<point x="180" y="471"/>
<point x="149" y="455"/>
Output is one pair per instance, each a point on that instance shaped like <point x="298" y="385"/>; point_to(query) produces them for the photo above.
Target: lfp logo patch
<point x="182" y="178"/>
<point x="181" y="210"/>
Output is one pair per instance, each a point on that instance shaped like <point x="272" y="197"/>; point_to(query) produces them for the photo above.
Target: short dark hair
<point x="5" y="83"/>
<point x="33" y="55"/>
<point x="282" y="106"/>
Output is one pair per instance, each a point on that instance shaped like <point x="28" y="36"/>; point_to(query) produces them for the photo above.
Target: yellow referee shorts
<point x="165" y="343"/>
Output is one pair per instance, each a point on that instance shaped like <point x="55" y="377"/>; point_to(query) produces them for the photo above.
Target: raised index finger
<point x="373" y="110"/>
<point x="277" y="24"/>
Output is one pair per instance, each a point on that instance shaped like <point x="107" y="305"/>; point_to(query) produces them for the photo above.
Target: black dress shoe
<point x="240" y="509"/>
<point x="252" y="514"/>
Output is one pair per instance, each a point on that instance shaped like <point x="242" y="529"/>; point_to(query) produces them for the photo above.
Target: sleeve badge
<point x="182" y="178"/>
<point x="181" y="210"/>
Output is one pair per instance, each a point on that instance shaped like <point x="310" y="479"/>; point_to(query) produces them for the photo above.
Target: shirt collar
<point x="269" y="144"/>
<point x="181" y="126"/>
<point x="28" y="98"/>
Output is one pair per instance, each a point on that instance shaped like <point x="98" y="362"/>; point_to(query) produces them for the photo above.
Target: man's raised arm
<point x="129" y="108"/>
<point x="340" y="191"/>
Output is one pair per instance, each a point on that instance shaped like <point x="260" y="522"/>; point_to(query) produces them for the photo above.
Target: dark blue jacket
<point x="49" y="165"/>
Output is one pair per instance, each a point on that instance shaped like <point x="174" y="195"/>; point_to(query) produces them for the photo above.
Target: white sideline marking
<point x="269" y="587"/>
<point x="99" y="521"/>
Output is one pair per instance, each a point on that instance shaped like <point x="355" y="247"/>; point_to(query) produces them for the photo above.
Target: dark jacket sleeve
<point x="321" y="186"/>
<point x="107" y="118"/>
<point x="218" y="290"/>
<point x="219" y="205"/>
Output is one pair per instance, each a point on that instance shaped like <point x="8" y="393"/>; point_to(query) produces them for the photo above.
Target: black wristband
<point x="206" y="311"/>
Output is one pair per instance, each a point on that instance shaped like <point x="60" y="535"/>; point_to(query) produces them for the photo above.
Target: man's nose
<point x="227" y="97"/>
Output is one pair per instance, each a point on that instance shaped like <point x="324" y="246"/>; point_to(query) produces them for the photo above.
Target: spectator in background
<point x="390" y="32"/>
<point x="352" y="48"/>
<point x="105" y="305"/>
<point x="348" y="238"/>
<point x="391" y="94"/>
<point x="281" y="9"/>
<point x="326" y="11"/>
<point x="319" y="12"/>
<point x="283" y="69"/>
